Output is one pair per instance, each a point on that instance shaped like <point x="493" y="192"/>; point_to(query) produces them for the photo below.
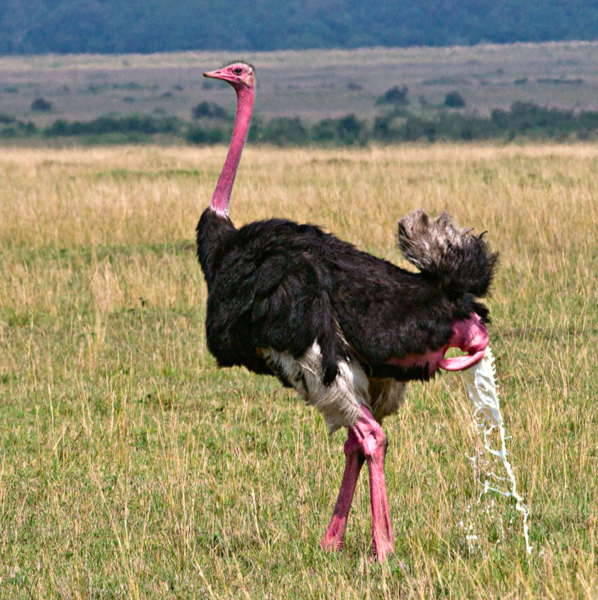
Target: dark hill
<point x="124" y="26"/>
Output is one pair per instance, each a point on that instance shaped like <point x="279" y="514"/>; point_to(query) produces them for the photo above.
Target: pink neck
<point x="224" y="187"/>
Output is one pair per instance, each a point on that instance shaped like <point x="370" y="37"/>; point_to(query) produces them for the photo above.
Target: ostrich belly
<point x="340" y="402"/>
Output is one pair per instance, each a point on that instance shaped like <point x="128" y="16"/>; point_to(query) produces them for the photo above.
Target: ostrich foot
<point x="334" y="538"/>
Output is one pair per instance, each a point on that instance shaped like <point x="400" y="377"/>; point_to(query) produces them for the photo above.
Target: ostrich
<point x="343" y="328"/>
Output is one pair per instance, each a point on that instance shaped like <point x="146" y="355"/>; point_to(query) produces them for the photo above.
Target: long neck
<point x="224" y="187"/>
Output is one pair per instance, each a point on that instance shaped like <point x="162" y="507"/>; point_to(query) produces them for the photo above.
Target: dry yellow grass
<point x="132" y="467"/>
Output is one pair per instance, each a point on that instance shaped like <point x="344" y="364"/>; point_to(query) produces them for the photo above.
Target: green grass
<point x="131" y="467"/>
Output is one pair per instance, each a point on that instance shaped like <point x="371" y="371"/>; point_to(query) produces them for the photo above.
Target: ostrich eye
<point x="237" y="71"/>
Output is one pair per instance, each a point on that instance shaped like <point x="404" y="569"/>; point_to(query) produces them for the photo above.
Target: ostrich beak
<point x="218" y="74"/>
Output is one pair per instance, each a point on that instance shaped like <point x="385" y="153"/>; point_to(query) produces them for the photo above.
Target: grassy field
<point x="312" y="84"/>
<point x="131" y="467"/>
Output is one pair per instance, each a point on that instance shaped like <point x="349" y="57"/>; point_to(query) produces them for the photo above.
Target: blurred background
<point x="333" y="72"/>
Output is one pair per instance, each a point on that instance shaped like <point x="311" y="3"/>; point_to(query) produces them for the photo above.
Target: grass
<point x="131" y="467"/>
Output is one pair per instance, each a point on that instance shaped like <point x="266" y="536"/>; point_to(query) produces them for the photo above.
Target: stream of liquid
<point x="481" y="386"/>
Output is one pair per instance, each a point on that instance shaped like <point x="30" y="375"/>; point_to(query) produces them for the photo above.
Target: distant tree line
<point x="115" y="26"/>
<point x="523" y="119"/>
<point x="145" y="124"/>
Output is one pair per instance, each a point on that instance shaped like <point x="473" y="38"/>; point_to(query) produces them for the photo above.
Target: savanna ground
<point x="312" y="84"/>
<point x="131" y="467"/>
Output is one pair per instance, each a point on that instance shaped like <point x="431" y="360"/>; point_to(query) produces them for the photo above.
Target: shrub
<point x="415" y="129"/>
<point x="256" y="130"/>
<point x="382" y="130"/>
<point x="354" y="87"/>
<point x="284" y="131"/>
<point x="6" y="119"/>
<point x="396" y="96"/>
<point x="349" y="130"/>
<point x="325" y="132"/>
<point x="522" y="119"/>
<point x="196" y="134"/>
<point x="465" y="127"/>
<point x="388" y="128"/>
<point x="454" y="100"/>
<point x="144" y="124"/>
<point x="19" y="129"/>
<point x="41" y="105"/>
<point x="208" y="110"/>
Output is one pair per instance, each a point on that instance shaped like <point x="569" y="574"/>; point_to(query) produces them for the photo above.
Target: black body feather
<point x="277" y="284"/>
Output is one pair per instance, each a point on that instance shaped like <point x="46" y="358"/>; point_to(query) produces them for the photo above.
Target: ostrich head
<point x="240" y="75"/>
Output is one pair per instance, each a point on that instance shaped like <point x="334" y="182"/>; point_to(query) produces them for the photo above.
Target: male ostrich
<point x="345" y="329"/>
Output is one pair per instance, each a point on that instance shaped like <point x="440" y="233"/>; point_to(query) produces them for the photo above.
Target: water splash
<point x="481" y="387"/>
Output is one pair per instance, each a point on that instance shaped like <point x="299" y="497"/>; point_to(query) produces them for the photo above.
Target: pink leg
<point x="334" y="538"/>
<point x="373" y="443"/>
<point x="367" y="442"/>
